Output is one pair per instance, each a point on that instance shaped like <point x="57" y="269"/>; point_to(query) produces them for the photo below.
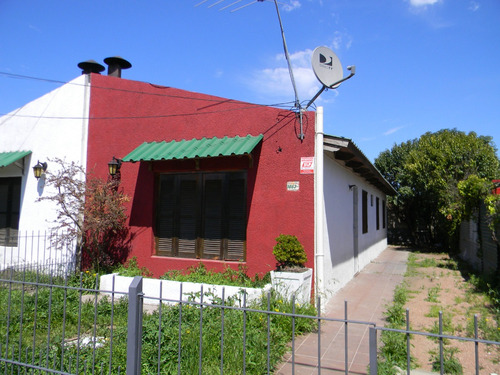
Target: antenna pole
<point x="287" y="56"/>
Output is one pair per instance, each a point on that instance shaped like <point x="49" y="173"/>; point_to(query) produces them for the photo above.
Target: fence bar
<point x="111" y="325"/>
<point x="476" y="344"/>
<point x="293" y="333"/>
<point x="408" y="347"/>
<point x="134" y="333"/>
<point x="441" y="359"/>
<point x="160" y="310"/>
<point x="244" y="333"/>
<point x="346" y="341"/>
<point x="319" y="335"/>
<point x="268" y="331"/>
<point x="373" y="350"/>
<point x="200" y="362"/>
<point x="180" y="332"/>
<point x="222" y="333"/>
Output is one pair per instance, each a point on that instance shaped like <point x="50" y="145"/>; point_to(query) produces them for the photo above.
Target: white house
<point x="52" y="126"/>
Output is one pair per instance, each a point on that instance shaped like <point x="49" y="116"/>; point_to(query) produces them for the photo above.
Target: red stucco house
<point x="207" y="176"/>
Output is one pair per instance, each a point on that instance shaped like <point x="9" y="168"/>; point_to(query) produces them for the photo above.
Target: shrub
<point x="289" y="252"/>
<point x="229" y="276"/>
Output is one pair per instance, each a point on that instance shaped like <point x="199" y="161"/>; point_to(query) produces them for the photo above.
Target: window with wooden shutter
<point x="10" y="203"/>
<point x="202" y="215"/>
<point x="364" y="209"/>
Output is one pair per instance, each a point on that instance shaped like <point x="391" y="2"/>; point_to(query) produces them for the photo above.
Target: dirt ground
<point x="435" y="284"/>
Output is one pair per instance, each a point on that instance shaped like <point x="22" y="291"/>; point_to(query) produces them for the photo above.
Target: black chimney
<point x="90" y="66"/>
<point x="115" y="65"/>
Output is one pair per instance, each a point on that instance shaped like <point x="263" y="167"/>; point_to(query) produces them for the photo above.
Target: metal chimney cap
<point x="91" y="66"/>
<point x="117" y="60"/>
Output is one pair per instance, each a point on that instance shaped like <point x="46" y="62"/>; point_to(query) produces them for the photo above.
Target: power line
<point x="214" y="101"/>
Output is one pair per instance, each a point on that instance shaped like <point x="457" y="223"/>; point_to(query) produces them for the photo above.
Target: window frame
<point x="232" y="237"/>
<point x="364" y="211"/>
<point x="12" y="214"/>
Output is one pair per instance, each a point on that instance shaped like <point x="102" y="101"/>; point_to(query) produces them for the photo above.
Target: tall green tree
<point x="438" y="177"/>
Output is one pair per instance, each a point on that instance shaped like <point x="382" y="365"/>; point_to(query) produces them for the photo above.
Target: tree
<point x="438" y="177"/>
<point x="90" y="212"/>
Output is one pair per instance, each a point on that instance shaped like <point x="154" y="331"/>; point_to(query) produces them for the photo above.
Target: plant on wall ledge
<point x="289" y="253"/>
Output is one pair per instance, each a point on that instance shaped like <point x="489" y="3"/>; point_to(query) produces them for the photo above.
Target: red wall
<point x="124" y="114"/>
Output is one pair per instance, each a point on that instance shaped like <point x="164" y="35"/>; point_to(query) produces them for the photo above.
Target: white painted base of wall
<point x="290" y="283"/>
<point x="170" y="291"/>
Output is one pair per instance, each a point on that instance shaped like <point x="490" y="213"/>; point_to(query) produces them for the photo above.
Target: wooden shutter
<point x="236" y="218"/>
<point x="212" y="216"/>
<point x="202" y="215"/>
<point x="188" y="208"/>
<point x="10" y="204"/>
<point x="166" y="217"/>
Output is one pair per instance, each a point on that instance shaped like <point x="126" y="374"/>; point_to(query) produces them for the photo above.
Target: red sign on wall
<point x="307" y="165"/>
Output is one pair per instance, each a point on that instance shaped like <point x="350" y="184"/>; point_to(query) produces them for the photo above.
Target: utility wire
<point x="214" y="101"/>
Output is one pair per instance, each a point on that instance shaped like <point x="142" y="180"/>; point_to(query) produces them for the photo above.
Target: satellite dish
<point x="327" y="67"/>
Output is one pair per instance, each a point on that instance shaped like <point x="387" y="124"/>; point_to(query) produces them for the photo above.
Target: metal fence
<point x="43" y="252"/>
<point x="54" y="325"/>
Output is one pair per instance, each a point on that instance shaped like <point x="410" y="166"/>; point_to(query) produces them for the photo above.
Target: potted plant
<point x="291" y="277"/>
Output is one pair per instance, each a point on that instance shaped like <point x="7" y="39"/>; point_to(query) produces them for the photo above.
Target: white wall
<point x="339" y="260"/>
<point x="54" y="125"/>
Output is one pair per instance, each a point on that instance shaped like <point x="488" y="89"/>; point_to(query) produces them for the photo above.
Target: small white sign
<point x="307" y="165"/>
<point x="292" y="186"/>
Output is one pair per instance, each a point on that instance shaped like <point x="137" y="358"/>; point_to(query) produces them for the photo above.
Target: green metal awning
<point x="194" y="148"/>
<point x="7" y="158"/>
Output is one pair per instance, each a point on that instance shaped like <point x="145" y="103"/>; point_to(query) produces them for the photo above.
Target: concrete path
<point x="365" y="298"/>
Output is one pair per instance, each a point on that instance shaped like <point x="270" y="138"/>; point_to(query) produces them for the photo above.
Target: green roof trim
<point x="195" y="148"/>
<point x="7" y="158"/>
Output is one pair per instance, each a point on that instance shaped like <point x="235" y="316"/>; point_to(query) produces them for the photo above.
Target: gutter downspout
<point x="319" y="205"/>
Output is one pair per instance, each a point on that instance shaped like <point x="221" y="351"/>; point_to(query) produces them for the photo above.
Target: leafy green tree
<point x="439" y="178"/>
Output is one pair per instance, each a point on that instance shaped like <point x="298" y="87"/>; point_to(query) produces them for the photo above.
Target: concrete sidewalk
<point x="367" y="296"/>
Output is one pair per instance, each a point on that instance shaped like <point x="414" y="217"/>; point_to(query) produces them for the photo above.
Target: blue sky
<point x="421" y="65"/>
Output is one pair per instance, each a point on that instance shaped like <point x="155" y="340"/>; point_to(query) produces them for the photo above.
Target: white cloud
<point x="423" y="3"/>
<point x="473" y="6"/>
<point x="33" y="27"/>
<point x="294" y="4"/>
<point x="393" y="130"/>
<point x="340" y="40"/>
<point x="274" y="84"/>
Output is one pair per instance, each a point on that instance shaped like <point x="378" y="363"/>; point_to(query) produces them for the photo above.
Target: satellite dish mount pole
<point x="290" y="70"/>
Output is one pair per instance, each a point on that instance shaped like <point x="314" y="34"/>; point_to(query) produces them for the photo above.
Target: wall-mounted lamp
<point x="352" y="186"/>
<point x="114" y="166"/>
<point x="39" y="169"/>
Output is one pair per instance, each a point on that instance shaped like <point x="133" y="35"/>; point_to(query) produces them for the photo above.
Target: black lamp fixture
<point x="39" y="169"/>
<point x="114" y="166"/>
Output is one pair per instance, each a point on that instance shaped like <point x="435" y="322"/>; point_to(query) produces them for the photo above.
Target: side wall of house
<point x="127" y="113"/>
<point x="52" y="126"/>
<point x="343" y="219"/>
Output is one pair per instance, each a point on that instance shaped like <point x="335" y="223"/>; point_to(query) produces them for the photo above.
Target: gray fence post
<point x="134" y="334"/>
<point x="373" y="351"/>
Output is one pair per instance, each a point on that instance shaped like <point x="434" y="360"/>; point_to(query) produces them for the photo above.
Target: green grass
<point x="42" y="319"/>
<point x="394" y="349"/>
<point x="433" y="294"/>
<point x="200" y="274"/>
